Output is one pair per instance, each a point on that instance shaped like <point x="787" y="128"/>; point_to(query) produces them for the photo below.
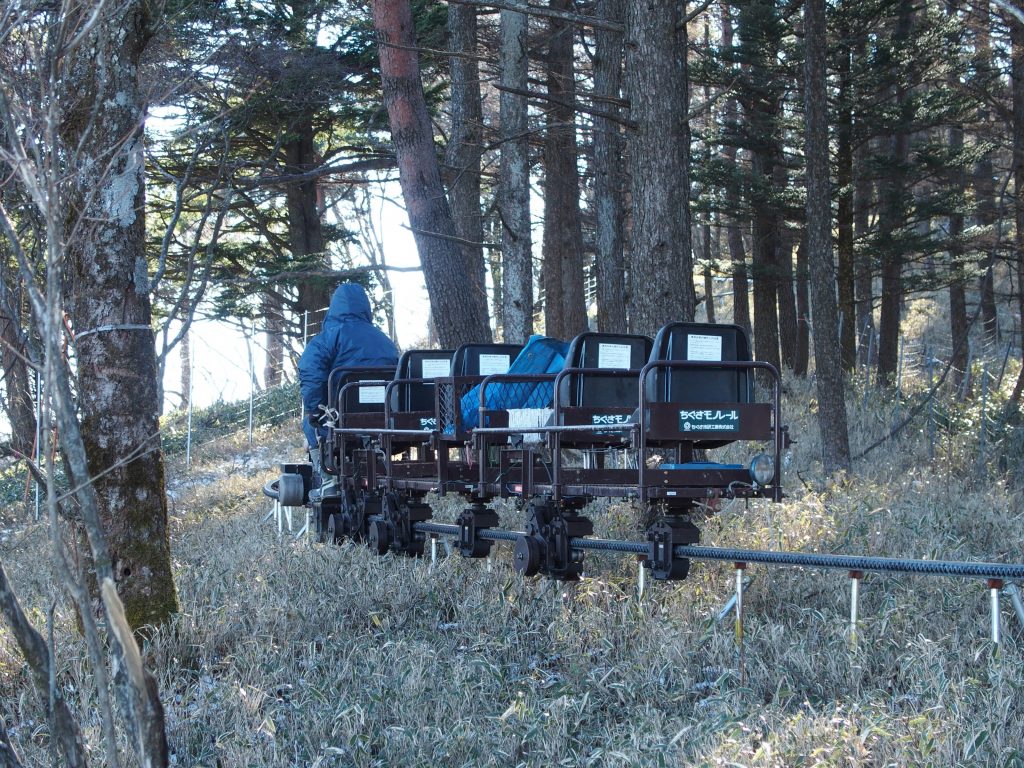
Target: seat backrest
<point x="419" y="364"/>
<point x="484" y="359"/>
<point x="700" y="342"/>
<point x="604" y="351"/>
<point x="369" y="399"/>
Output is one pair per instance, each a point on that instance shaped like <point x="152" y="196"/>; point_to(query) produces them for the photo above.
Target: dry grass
<point x="294" y="654"/>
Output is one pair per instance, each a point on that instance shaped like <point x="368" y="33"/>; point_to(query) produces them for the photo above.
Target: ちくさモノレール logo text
<point x="711" y="420"/>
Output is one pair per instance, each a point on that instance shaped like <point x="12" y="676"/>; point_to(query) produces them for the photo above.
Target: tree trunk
<point x="565" y="311"/>
<point x="803" y="310"/>
<point x="609" y="179"/>
<point x="764" y="271"/>
<point x="734" y="234"/>
<point x="305" y="233"/>
<point x="514" y="181"/>
<point x="844" y="219"/>
<point x="465" y="146"/>
<point x="758" y="31"/>
<point x="788" y="315"/>
<point x="892" y="216"/>
<point x="273" y="319"/>
<point x="185" y="356"/>
<point x="110" y="312"/>
<point x="1017" y="80"/>
<point x="740" y="284"/>
<point x="863" y="269"/>
<point x="984" y="188"/>
<point x="661" y="260"/>
<point x="835" y="447"/>
<point x="709" y="275"/>
<point x="958" y="327"/>
<point x="19" y="402"/>
<point x="493" y="256"/>
<point x="458" y="301"/>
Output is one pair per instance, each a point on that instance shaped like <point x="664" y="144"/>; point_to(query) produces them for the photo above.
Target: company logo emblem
<point x="430" y="423"/>
<point x="727" y="420"/>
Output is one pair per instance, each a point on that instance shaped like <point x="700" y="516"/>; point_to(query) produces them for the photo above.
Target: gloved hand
<point x="313" y="418"/>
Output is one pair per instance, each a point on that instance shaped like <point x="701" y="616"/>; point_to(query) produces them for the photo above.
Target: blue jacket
<point x="348" y="339"/>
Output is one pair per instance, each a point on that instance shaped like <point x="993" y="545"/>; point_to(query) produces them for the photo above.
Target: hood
<point x="349" y="299"/>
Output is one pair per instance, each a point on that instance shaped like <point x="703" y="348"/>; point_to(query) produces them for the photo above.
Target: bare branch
<point x="33" y="648"/>
<point x="534" y="10"/>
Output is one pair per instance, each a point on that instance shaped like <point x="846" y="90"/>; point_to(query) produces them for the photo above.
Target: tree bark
<point x="514" y="181"/>
<point x="19" y="402"/>
<point x="958" y="327"/>
<point x="892" y="216"/>
<point x="64" y="728"/>
<point x="709" y="275"/>
<point x="565" y="311"/>
<point x="863" y="279"/>
<point x="1017" y="86"/>
<point x="984" y="188"/>
<point x="458" y="301"/>
<point x="734" y="233"/>
<point x="844" y="219"/>
<point x="118" y="393"/>
<point x="758" y="28"/>
<point x="185" y="356"/>
<point x="273" y="325"/>
<point x="305" y="232"/>
<point x="465" y="145"/>
<point x="789" y="329"/>
<point x="609" y="179"/>
<point x="661" y="260"/>
<point x="835" y="448"/>
<point x="803" y="310"/>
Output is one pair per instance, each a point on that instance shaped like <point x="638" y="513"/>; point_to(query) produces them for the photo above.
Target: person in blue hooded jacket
<point x="348" y="339"/>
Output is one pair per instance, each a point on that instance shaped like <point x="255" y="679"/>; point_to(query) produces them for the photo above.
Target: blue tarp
<point x="540" y="355"/>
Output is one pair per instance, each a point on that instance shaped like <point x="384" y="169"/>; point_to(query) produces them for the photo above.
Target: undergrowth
<point x="289" y="653"/>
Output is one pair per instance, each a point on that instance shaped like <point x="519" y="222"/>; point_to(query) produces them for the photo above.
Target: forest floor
<point x="292" y="653"/>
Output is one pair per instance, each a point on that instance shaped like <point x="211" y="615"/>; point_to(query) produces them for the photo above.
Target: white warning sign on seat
<point x="703" y="347"/>
<point x="433" y="369"/>
<point x="613" y="355"/>
<point x="490" y="364"/>
<point x="373" y="394"/>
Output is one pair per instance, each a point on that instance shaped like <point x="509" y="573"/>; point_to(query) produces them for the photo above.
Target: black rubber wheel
<point x="526" y="556"/>
<point x="335" y="529"/>
<point x="290" y="490"/>
<point x="378" y="538"/>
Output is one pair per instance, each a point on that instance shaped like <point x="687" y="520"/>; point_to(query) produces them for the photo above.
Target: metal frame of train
<point x="624" y="416"/>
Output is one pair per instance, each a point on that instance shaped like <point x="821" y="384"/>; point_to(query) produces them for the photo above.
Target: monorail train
<point x="555" y="424"/>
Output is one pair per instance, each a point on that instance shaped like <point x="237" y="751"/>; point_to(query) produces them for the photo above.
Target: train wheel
<point x="335" y="529"/>
<point x="526" y="557"/>
<point x="378" y="538"/>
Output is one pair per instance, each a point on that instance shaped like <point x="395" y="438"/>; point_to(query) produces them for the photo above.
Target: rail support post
<point x="740" y="567"/>
<point x="641" y="566"/>
<point x="855" y="577"/>
<point x="994" y="585"/>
